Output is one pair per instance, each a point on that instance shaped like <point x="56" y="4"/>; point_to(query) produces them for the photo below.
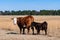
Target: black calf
<point x="39" y="26"/>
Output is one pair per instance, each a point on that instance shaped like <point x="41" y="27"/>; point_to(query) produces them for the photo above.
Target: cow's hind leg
<point x="32" y="30"/>
<point x="28" y="29"/>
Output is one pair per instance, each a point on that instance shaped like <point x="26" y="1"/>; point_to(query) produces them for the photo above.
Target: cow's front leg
<point x="23" y="30"/>
<point x="20" y="30"/>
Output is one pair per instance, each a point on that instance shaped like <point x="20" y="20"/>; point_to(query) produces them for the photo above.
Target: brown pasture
<point x="53" y="25"/>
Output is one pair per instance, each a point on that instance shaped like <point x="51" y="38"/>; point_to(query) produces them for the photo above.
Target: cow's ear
<point x="12" y="18"/>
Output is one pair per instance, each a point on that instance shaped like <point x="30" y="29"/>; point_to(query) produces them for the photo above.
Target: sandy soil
<point x="9" y="31"/>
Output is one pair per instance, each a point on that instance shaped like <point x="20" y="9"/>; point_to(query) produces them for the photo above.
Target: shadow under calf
<point x="39" y="26"/>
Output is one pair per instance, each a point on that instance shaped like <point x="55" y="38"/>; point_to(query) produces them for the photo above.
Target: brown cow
<point x="24" y="22"/>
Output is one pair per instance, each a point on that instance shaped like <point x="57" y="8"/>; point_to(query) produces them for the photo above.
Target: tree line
<point x="31" y="12"/>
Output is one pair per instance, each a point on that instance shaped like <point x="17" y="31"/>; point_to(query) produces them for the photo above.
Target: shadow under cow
<point x="12" y="33"/>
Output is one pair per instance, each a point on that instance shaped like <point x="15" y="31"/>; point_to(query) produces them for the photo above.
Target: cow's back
<point x="28" y="20"/>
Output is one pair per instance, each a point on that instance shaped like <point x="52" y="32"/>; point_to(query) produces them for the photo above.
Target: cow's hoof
<point x="45" y="33"/>
<point x="23" y="33"/>
<point x="37" y="33"/>
<point x="33" y="34"/>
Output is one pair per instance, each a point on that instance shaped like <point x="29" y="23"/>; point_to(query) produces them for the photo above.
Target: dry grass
<point x="7" y="24"/>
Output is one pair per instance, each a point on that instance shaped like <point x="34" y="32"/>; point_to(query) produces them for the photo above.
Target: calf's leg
<point x="45" y="32"/>
<point x="38" y="31"/>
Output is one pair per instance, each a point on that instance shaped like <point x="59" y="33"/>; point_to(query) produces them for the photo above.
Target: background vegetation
<point x="31" y="12"/>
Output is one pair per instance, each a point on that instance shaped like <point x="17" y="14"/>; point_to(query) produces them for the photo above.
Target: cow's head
<point x="14" y="20"/>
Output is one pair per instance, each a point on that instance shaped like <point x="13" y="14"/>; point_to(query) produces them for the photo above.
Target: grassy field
<point x="7" y="26"/>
